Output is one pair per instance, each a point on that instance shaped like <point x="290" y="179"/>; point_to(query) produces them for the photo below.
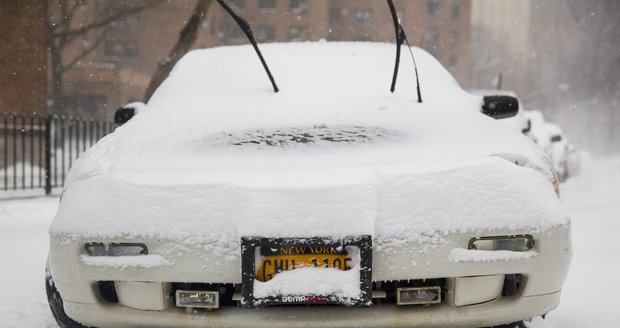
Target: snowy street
<point x="297" y="163"/>
<point x="592" y="199"/>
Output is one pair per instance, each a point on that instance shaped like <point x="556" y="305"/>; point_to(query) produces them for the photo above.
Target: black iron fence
<point x="38" y="150"/>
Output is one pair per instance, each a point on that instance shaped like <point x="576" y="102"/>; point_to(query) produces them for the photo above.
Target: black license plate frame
<point x="248" y="269"/>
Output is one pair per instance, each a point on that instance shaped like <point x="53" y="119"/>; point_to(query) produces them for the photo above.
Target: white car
<point x="225" y="204"/>
<point x="560" y="152"/>
<point x="538" y="130"/>
<point x="574" y="160"/>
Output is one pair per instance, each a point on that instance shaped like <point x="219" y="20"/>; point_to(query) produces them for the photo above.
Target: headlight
<point x="116" y="249"/>
<point x="505" y="243"/>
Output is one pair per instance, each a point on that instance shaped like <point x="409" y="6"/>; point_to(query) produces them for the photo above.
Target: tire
<point x="519" y="324"/>
<point x="55" y="302"/>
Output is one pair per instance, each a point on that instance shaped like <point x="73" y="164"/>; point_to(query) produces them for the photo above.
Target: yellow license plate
<point x="290" y="258"/>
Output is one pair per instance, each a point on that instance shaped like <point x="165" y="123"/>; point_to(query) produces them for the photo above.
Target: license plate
<point x="291" y="258"/>
<point x="264" y="258"/>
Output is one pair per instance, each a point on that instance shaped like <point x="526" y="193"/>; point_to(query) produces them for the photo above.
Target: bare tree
<point x="64" y="29"/>
<point x="187" y="37"/>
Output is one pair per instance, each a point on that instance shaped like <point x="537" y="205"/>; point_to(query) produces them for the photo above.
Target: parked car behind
<point x="538" y="130"/>
<point x="559" y="150"/>
<point x="575" y="157"/>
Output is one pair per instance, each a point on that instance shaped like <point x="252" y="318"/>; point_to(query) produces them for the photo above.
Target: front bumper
<point x="501" y="311"/>
<point x="543" y="275"/>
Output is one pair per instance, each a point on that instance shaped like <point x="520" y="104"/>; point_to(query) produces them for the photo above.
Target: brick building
<point x="120" y="68"/>
<point x="23" y="59"/>
<point x="501" y="43"/>
<point x="23" y="77"/>
<point x="441" y="27"/>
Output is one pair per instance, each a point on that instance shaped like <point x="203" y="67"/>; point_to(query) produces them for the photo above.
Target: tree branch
<point x="90" y="49"/>
<point x="187" y="37"/>
<point x="77" y="4"/>
<point x="71" y="34"/>
<point x="53" y="23"/>
<point x="62" y="5"/>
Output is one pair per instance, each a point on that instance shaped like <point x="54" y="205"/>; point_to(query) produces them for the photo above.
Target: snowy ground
<point x="23" y="251"/>
<point x="589" y="297"/>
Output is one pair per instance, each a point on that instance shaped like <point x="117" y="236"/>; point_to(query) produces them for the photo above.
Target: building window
<point x="111" y="9"/>
<point x="363" y="16"/>
<point x="266" y="33"/>
<point x="211" y="25"/>
<point x="432" y="35"/>
<point x="432" y="7"/>
<point x="121" y="48"/>
<point x="298" y="33"/>
<point x="126" y="21"/>
<point x="456" y="10"/>
<point x="267" y="5"/>
<point x="232" y="34"/>
<point x="239" y="4"/>
<point x="454" y="38"/>
<point x="86" y="105"/>
<point x="298" y="6"/>
<point x="336" y="16"/>
<point x="452" y="62"/>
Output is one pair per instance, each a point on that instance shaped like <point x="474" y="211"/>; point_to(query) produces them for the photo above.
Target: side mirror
<point x="123" y="115"/>
<point x="528" y="128"/>
<point x="500" y="106"/>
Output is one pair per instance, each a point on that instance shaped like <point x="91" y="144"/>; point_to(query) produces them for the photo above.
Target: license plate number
<point x="302" y="257"/>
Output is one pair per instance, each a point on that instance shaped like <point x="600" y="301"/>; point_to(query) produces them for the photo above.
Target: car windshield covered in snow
<point x="320" y="135"/>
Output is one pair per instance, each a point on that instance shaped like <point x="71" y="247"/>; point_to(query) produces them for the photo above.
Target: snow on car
<point x="223" y="195"/>
<point x="574" y="159"/>
<point x="538" y="132"/>
<point x="564" y="156"/>
<point x="559" y="150"/>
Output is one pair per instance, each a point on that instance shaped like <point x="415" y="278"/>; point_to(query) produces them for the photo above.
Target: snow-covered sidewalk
<point x="23" y="252"/>
<point x="589" y="298"/>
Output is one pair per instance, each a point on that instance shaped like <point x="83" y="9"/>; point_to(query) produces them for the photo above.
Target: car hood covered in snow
<point x="216" y="97"/>
<point x="218" y="154"/>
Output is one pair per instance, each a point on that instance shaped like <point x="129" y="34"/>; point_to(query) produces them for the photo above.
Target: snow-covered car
<point x="574" y="160"/>
<point x="518" y="122"/>
<point x="225" y="204"/>
<point x="538" y="130"/>
<point x="559" y="150"/>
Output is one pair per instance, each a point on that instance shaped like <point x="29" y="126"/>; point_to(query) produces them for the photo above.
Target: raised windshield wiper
<point x="400" y="39"/>
<point x="247" y="30"/>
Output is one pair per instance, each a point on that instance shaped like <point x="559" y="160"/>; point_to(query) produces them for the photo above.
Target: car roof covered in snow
<point x="217" y="109"/>
<point x="538" y="130"/>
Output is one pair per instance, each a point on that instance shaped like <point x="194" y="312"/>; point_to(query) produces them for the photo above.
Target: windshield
<point x="321" y="135"/>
